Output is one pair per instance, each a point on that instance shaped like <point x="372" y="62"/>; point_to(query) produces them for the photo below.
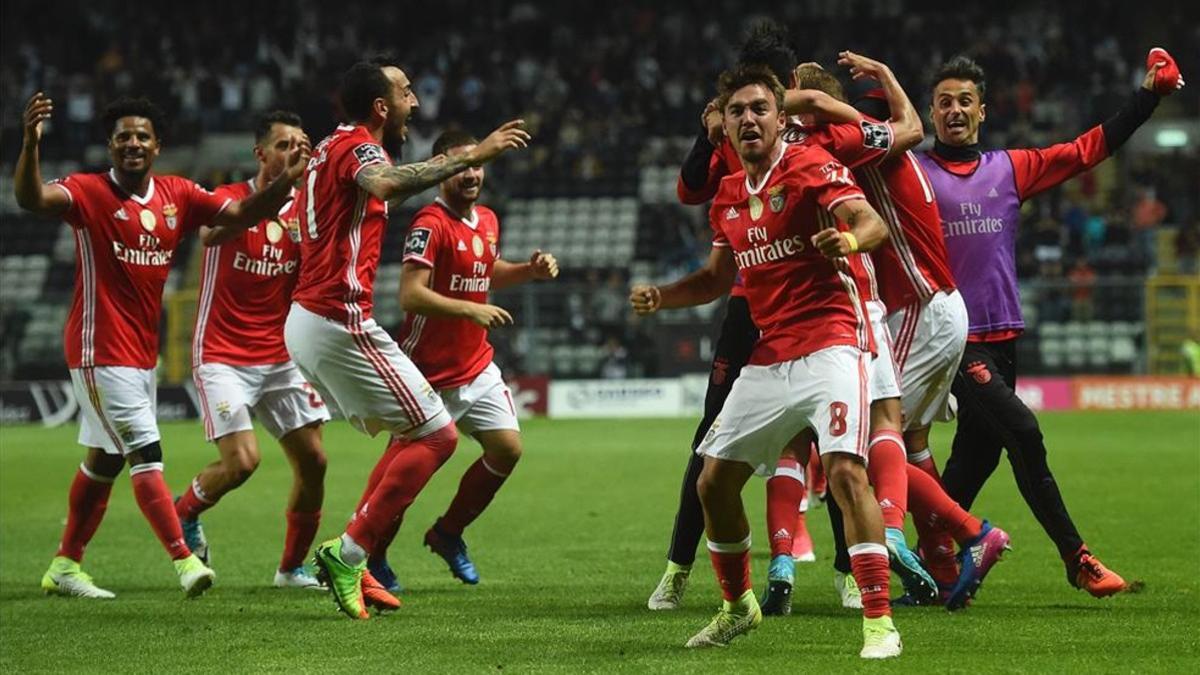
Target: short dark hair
<point x="262" y="126"/>
<point x="127" y="106"/>
<point x="961" y="67"/>
<point x="364" y="83"/>
<point x="744" y="75"/>
<point x="768" y="43"/>
<point x="816" y="77"/>
<point x="452" y="138"/>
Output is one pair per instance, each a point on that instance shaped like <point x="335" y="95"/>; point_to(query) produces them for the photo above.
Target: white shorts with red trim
<point x="277" y="394"/>
<point x="768" y="405"/>
<point x="117" y="407"/>
<point x="483" y="404"/>
<point x="364" y="374"/>
<point x="885" y="378"/>
<point x="929" y="340"/>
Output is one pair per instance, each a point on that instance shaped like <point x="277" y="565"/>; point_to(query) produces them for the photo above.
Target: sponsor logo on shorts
<point x="125" y="431"/>
<point x="978" y="370"/>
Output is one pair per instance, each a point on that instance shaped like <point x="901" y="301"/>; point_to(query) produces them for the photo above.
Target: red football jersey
<point x="124" y="244"/>
<point x="245" y="290"/>
<point x="857" y="146"/>
<point x="913" y="266"/>
<point x="800" y="300"/>
<point x="461" y="252"/>
<point x="341" y="227"/>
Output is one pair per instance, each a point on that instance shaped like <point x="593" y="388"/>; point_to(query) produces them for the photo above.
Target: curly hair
<point x="133" y="107"/>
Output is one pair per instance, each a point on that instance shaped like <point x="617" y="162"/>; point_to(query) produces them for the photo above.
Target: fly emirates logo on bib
<point x="762" y="249"/>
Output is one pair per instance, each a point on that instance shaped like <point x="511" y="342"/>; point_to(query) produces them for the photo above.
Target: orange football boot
<point x="1092" y="576"/>
<point x="375" y="595"/>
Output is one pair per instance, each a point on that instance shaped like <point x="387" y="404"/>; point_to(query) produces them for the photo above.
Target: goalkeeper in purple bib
<point x="979" y="194"/>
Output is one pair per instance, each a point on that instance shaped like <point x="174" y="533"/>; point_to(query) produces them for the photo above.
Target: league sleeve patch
<point x="369" y="153"/>
<point x="876" y="135"/>
<point x="417" y="242"/>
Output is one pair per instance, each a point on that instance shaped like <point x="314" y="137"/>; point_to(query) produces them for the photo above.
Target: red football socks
<point x="478" y="486"/>
<point x="407" y="474"/>
<point x="731" y="562"/>
<point x="869" y="564"/>
<point x="885" y="469"/>
<point x="785" y="492"/>
<point x="923" y="460"/>
<point x="301" y="529"/>
<point x="394" y="446"/>
<point x="932" y="506"/>
<point x="86" y="504"/>
<point x="154" y="498"/>
<point x="192" y="502"/>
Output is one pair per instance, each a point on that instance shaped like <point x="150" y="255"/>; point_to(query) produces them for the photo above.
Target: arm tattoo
<point x="854" y="217"/>
<point x="394" y="184"/>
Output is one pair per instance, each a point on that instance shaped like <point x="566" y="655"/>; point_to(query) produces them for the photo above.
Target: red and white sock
<point x="394" y="446"/>
<point x="86" y="503"/>
<point x="931" y="505"/>
<point x="887" y="473"/>
<point x="475" y="491"/>
<point x="923" y="460"/>
<point x="301" y="530"/>
<point x="785" y="494"/>
<point x="154" y="498"/>
<point x="407" y="474"/>
<point x="193" y="501"/>
<point x="869" y="564"/>
<point x="731" y="562"/>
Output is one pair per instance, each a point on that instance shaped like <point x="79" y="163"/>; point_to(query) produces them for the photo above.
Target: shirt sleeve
<point x="360" y="157"/>
<point x="718" y="168"/>
<point x="421" y="243"/>
<point x="715" y="220"/>
<point x="861" y="144"/>
<point x="202" y="206"/>
<point x="1038" y="170"/>
<point x="73" y="187"/>
<point x="831" y="181"/>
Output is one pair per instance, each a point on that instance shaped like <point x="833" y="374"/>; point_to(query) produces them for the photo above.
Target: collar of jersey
<point x="767" y="176"/>
<point x="112" y="176"/>
<point x="472" y="223"/>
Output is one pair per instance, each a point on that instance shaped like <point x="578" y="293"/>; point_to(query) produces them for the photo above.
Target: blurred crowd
<point x="595" y="81"/>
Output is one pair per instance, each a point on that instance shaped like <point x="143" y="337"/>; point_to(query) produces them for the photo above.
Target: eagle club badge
<point x="148" y="220"/>
<point x="274" y="231"/>
<point x="169" y="212"/>
<point x="293" y="229"/>
<point x="776" y="199"/>
<point x="756" y="207"/>
<point x="477" y="246"/>
<point x="491" y="238"/>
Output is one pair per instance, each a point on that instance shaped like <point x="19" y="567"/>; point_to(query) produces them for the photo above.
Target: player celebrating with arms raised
<point x="329" y="331"/>
<point x="127" y="223"/>
<point x="775" y="223"/>
<point x="979" y="195"/>
<point x="451" y="262"/>
<point x="239" y="363"/>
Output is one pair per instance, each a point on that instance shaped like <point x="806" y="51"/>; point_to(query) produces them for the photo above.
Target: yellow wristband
<point x="852" y="241"/>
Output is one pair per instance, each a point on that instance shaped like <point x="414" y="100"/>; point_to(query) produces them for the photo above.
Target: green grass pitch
<point x="570" y="551"/>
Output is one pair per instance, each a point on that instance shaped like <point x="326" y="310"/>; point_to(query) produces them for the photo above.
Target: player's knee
<point x="313" y="463"/>
<point x="240" y="466"/>
<point x="506" y="450"/>
<point x="147" y="454"/>
<point x="103" y="464"/>
<point x="443" y="441"/>
<point x="848" y="478"/>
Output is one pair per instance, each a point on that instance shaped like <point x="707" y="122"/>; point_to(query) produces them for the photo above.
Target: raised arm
<point x="394" y="184"/>
<point x="1037" y="170"/>
<point x="866" y="230"/>
<point x="416" y="297"/>
<point x="32" y="194"/>
<point x="701" y="287"/>
<point x="540" y="266"/>
<point x="905" y="120"/>
<point x="824" y="108"/>
<point x="242" y="215"/>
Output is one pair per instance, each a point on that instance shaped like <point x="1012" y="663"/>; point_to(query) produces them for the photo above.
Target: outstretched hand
<point x="861" y="66"/>
<point x="510" y="136"/>
<point x="37" y="111"/>
<point x="544" y="265"/>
